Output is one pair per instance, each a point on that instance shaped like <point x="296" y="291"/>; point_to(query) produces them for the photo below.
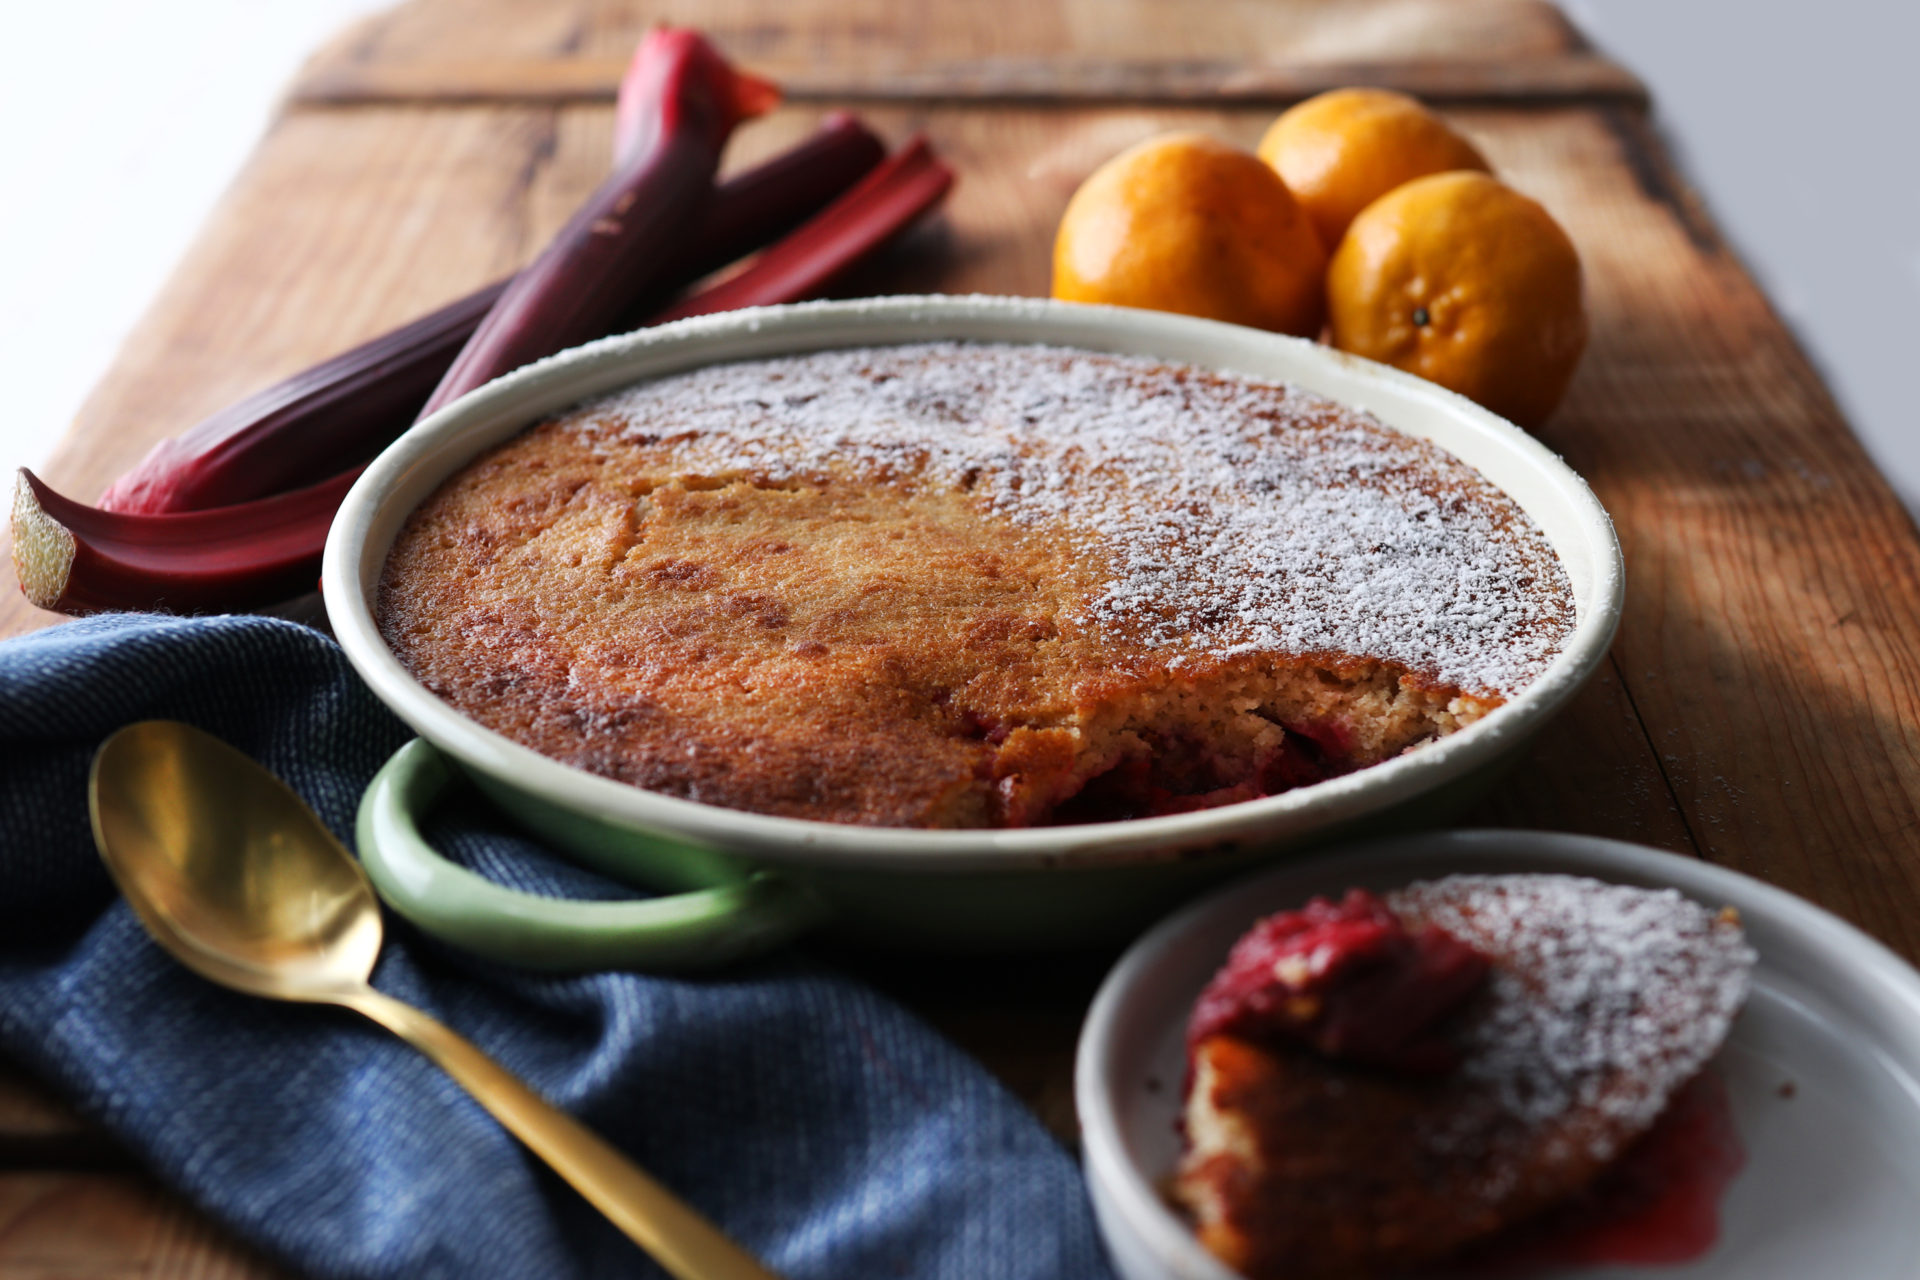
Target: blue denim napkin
<point x="822" y="1126"/>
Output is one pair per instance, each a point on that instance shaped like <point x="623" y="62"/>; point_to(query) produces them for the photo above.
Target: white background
<point x="1795" y="117"/>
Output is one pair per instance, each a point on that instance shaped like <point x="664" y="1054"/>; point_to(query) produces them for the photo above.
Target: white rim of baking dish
<point x="1575" y="524"/>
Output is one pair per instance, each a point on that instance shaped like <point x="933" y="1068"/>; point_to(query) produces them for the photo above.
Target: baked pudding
<point x="970" y="585"/>
<point x="1379" y="1083"/>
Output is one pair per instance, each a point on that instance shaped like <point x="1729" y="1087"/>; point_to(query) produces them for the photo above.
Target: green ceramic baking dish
<point x="733" y="882"/>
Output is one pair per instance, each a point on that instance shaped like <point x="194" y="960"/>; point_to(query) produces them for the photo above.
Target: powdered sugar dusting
<point x="1604" y="998"/>
<point x="1236" y="515"/>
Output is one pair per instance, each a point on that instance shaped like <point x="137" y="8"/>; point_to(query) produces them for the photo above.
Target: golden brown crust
<point x="853" y="643"/>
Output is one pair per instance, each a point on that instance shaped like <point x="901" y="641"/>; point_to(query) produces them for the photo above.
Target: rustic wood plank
<point x="1759" y="702"/>
<point x="27" y="1110"/>
<point x="855" y="43"/>
<point x="1771" y="643"/>
<point x="1026" y="80"/>
<point x="61" y="1226"/>
<point x="1593" y="772"/>
<point x="38" y="1130"/>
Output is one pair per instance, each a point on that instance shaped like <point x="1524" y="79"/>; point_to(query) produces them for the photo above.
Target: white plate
<point x="1823" y="1067"/>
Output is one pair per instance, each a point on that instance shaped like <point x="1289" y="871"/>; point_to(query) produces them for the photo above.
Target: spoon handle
<point x="682" y="1241"/>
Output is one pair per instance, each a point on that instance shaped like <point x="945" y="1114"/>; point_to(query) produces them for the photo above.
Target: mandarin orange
<point x="1340" y="151"/>
<point x="1187" y="223"/>
<point x="1464" y="281"/>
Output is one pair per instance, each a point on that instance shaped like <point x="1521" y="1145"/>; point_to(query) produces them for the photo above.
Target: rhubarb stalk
<point x="876" y="209"/>
<point x="621" y="241"/>
<point x="758" y="206"/>
<point x="242" y="554"/>
<point x="320" y="420"/>
<point x="341" y="412"/>
<point x="78" y="559"/>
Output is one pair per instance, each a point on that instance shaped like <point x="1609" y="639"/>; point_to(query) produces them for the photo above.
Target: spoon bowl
<point x="221" y="856"/>
<point x="240" y="881"/>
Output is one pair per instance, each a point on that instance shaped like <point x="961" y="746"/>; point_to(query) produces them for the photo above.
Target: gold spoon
<point x="234" y="876"/>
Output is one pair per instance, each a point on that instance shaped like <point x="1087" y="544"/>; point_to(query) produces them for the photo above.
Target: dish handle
<point x="678" y="931"/>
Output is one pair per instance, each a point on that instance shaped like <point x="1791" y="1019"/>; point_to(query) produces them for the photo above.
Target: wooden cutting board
<point x="1759" y="706"/>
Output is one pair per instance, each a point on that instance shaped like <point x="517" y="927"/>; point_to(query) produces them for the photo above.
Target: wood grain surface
<point x="857" y="48"/>
<point x="112" y="1226"/>
<point x="1064" y="80"/>
<point x="1758" y="709"/>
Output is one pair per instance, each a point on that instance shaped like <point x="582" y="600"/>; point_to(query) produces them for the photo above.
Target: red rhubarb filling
<point x="1346" y="979"/>
<point x="1186" y="778"/>
<point x="1659" y="1205"/>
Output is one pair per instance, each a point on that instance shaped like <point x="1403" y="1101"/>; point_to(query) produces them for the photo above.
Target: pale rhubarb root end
<point x="43" y="548"/>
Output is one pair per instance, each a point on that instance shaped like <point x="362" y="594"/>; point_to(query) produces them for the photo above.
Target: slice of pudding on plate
<point x="1379" y="1083"/>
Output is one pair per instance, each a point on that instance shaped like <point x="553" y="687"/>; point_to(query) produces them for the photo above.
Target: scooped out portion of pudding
<point x="1538" y="1027"/>
<point x="970" y="585"/>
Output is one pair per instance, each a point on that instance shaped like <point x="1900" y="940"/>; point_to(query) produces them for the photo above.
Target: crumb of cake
<point x="1601" y="1003"/>
<point x="970" y="585"/>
